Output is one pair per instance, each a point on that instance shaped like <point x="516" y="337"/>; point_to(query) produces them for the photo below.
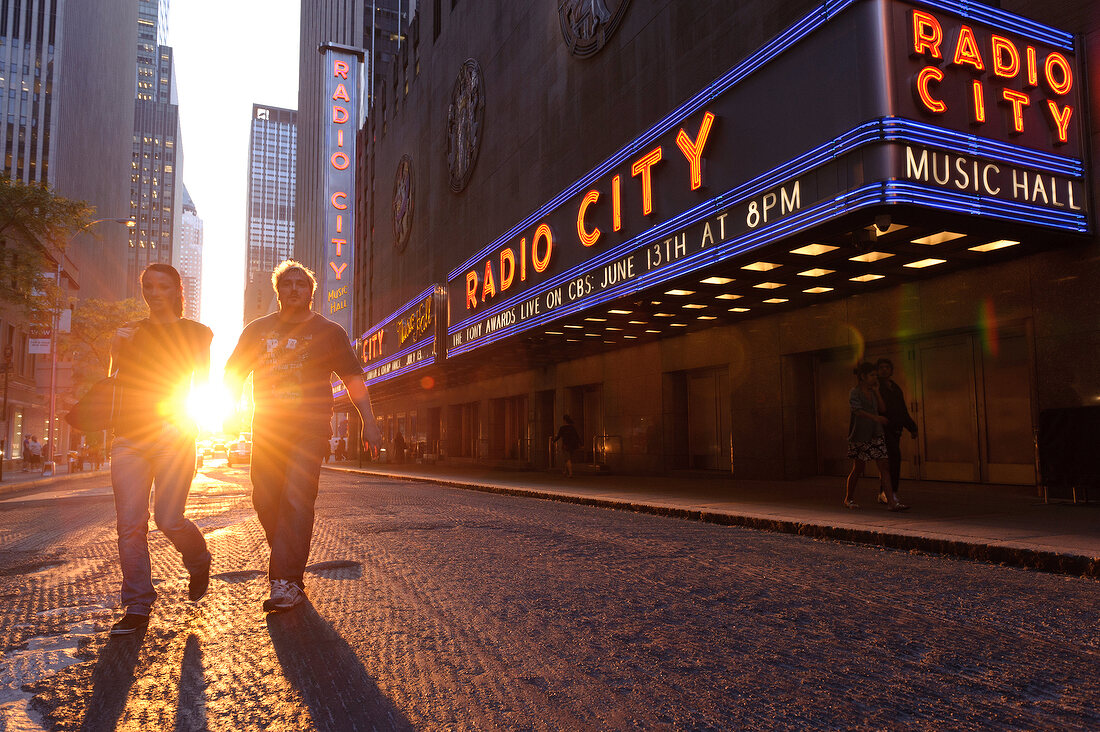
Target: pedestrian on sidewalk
<point x="35" y="450"/>
<point x="292" y="355"/>
<point x="898" y="419"/>
<point x="570" y="443"/>
<point x="866" y="440"/>
<point x="157" y="359"/>
<point x="25" y="453"/>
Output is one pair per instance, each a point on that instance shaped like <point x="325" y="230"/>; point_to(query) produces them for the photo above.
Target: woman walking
<point x="867" y="437"/>
<point x="156" y="358"/>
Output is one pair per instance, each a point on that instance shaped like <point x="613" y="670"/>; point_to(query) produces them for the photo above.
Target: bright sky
<point x="229" y="54"/>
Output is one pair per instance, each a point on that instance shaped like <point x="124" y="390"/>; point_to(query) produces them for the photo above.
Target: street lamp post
<point x="53" y="433"/>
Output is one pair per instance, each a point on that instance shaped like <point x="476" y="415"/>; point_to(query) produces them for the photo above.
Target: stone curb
<point x="1013" y="556"/>
<point x="16" y="486"/>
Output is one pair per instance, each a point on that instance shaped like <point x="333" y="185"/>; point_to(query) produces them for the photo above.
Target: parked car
<point x="239" y="453"/>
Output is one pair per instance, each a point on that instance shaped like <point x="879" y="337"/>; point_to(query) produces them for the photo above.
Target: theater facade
<point x="683" y="223"/>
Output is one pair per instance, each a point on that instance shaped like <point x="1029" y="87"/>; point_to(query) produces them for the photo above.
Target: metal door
<point x="708" y="420"/>
<point x="948" y="416"/>
<point x="1007" y="414"/>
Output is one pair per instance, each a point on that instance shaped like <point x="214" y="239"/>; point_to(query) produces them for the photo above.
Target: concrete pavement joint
<point x="1024" y="558"/>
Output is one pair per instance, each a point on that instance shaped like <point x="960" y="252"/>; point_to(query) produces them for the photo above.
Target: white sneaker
<point x="284" y="595"/>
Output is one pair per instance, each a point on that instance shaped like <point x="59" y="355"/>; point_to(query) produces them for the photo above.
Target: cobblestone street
<point x="440" y="608"/>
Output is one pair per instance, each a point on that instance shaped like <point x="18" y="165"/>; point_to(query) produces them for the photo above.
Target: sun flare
<point x="208" y="405"/>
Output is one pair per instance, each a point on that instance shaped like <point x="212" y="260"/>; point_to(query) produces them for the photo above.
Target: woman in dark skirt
<point x="866" y="436"/>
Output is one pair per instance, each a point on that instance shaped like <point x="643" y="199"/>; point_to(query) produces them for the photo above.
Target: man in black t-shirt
<point x="292" y="355"/>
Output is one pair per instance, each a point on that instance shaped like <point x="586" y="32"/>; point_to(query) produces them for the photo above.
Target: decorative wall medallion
<point x="402" y="203"/>
<point x="587" y="24"/>
<point x="464" y="120"/>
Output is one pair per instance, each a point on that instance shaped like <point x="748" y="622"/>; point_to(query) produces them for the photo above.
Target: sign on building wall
<point x="341" y="118"/>
<point x="935" y="107"/>
<point x="405" y="341"/>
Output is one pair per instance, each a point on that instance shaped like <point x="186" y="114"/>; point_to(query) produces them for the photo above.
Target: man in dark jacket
<point x="898" y="415"/>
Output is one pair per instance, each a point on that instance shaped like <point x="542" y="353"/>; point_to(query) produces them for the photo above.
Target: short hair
<point x="884" y="360"/>
<point x="863" y="369"/>
<point x="177" y="282"/>
<point x="288" y="265"/>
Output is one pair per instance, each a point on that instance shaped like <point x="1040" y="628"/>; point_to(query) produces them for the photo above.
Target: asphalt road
<point x="437" y="608"/>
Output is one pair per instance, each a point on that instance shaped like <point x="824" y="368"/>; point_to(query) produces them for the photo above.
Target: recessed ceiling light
<point x="572" y="340"/>
<point x="716" y="281"/>
<point x="818" y="290"/>
<point x="653" y="331"/>
<point x="574" y="326"/>
<point x="812" y="250"/>
<point x="662" y="315"/>
<point x="817" y="272"/>
<point x="694" y="306"/>
<point x="769" y="285"/>
<point x="739" y="310"/>
<point x="619" y="312"/>
<point x="680" y="293"/>
<point x="554" y="332"/>
<point x="708" y="317"/>
<point x="939" y="238"/>
<point x="999" y="244"/>
<point x="637" y="322"/>
<point x="597" y="320"/>
<point x="762" y="266"/>
<point x="728" y="296"/>
<point x="654" y="302"/>
<point x="922" y="263"/>
<point x="612" y="342"/>
<point x="871" y="257"/>
<point x="610" y="328"/>
<point x="866" y="278"/>
<point x="678" y="325"/>
<point x="630" y="336"/>
<point x="594" y="335"/>
<point x="775" y="300"/>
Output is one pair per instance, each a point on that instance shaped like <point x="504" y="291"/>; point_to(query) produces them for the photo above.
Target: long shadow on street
<point x="112" y="678"/>
<point x="341" y="696"/>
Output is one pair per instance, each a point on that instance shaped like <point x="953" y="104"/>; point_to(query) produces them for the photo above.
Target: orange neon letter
<point x="339" y="114"/>
<point x="617" y="202"/>
<point x="341" y="93"/>
<point x="979" y="101"/>
<point x="340" y="68"/>
<point x="523" y="259"/>
<point x="1054" y="60"/>
<point x="693" y="151"/>
<point x="339" y="246"/>
<point x="1001" y="66"/>
<point x="489" y="288"/>
<point x="471" y="290"/>
<point x="337" y="271"/>
<point x="587" y="238"/>
<point x="642" y="166"/>
<point x="1060" y="120"/>
<point x="927" y="75"/>
<point x="966" y="49"/>
<point x="543" y="232"/>
<point x="340" y="160"/>
<point x="1032" y="68"/>
<point x="507" y="268"/>
<point x="1018" y="100"/>
<point x="341" y="195"/>
<point x="927" y="34"/>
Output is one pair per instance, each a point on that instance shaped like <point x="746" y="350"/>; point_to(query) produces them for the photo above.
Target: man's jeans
<point x="285" y="471"/>
<point x="167" y="459"/>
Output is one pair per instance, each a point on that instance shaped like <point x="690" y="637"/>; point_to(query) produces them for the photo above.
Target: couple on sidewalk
<point x="291" y="355"/>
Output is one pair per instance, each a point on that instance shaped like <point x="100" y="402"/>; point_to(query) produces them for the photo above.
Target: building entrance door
<point x="970" y="396"/>
<point x="708" y="423"/>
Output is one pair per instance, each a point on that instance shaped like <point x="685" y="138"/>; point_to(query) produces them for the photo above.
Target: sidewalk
<point x="1000" y="524"/>
<point x="17" y="480"/>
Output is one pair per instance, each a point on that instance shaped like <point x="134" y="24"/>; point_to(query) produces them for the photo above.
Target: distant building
<point x="66" y="77"/>
<point x="272" y="161"/>
<point x="190" y="259"/>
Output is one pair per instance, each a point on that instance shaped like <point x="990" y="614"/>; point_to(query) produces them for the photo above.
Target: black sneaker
<point x="199" y="584"/>
<point x="130" y="623"/>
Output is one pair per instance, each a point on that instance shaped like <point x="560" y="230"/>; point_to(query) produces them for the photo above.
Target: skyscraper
<point x="190" y="259"/>
<point x="157" y="163"/>
<point x="272" y="162"/>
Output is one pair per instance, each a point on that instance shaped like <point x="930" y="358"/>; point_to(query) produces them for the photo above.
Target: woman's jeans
<point x="166" y="458"/>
